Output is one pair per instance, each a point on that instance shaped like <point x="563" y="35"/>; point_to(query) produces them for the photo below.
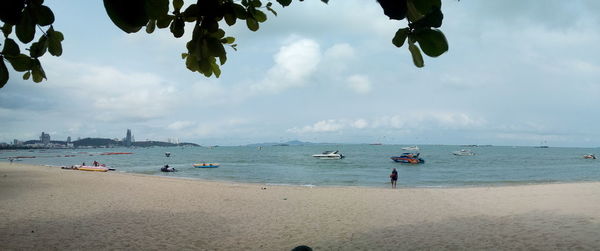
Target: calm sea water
<point x="364" y="165"/>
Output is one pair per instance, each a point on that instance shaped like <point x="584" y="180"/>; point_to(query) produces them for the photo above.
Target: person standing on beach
<point x="394" y="177"/>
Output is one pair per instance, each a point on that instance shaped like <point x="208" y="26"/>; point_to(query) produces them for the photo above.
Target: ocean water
<point x="364" y="165"/>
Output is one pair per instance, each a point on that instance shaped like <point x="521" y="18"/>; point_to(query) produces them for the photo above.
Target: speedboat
<point x="589" y="156"/>
<point x="463" y="152"/>
<point x="167" y="154"/>
<point x="408" y="158"/>
<point x="329" y="155"/>
<point x="410" y="148"/>
<point x="206" y="165"/>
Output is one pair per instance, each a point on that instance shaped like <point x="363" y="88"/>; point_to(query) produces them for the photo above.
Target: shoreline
<point x="45" y="207"/>
<point x="400" y="186"/>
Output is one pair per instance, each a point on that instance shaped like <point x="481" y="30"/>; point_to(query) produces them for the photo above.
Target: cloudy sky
<point x="517" y="73"/>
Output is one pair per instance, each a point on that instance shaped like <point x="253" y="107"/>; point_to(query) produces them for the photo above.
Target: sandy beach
<point x="50" y="208"/>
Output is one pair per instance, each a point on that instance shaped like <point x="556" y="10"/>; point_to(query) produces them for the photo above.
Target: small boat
<point x="206" y="165"/>
<point x="408" y="158"/>
<point x="411" y="148"/>
<point x="589" y="156"/>
<point x="463" y="152"/>
<point x="167" y="169"/>
<point x="91" y="168"/>
<point x="167" y="154"/>
<point x="329" y="155"/>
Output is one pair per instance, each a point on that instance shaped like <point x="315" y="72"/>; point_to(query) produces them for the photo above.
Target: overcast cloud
<point x="517" y="73"/>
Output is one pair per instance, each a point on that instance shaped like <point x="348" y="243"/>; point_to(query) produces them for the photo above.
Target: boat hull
<point x="407" y="160"/>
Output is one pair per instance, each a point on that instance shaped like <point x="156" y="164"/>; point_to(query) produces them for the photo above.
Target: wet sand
<point x="50" y="208"/>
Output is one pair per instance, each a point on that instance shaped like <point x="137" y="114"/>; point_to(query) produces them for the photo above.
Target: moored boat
<point x="408" y="158"/>
<point x="463" y="152"/>
<point x="206" y="165"/>
<point x="411" y="148"/>
<point x="329" y="155"/>
<point x="589" y="156"/>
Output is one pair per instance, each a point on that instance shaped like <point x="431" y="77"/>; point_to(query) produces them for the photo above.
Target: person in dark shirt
<point x="394" y="177"/>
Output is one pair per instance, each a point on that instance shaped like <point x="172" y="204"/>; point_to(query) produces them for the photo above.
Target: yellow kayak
<point x="92" y="168"/>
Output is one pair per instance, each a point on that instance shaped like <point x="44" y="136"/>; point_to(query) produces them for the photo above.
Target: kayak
<point x="206" y="165"/>
<point x="92" y="168"/>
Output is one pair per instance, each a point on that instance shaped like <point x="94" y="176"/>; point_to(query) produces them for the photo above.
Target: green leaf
<point x="156" y="9"/>
<point x="205" y="67"/>
<point x="426" y="6"/>
<point x="256" y="3"/>
<point x="37" y="71"/>
<point x="191" y="11"/>
<point x="433" y="19"/>
<point x="223" y="59"/>
<point x="177" y="4"/>
<point x="416" y="55"/>
<point x="150" y="26"/>
<point x="215" y="48"/>
<point x="252" y="24"/>
<point x="432" y="42"/>
<point x="39" y="48"/>
<point x="3" y="73"/>
<point x="164" y="22"/>
<point x="192" y="63"/>
<point x="184" y="55"/>
<point x="21" y="62"/>
<point x="260" y="16"/>
<point x="284" y="3"/>
<point x="128" y="15"/>
<point x="7" y="29"/>
<point x="25" y="29"/>
<point x="216" y="69"/>
<point x="400" y="37"/>
<point x="44" y="15"/>
<point x="240" y="11"/>
<point x="26" y="75"/>
<point x="228" y="40"/>
<point x="11" y="48"/>
<point x="230" y="19"/>
<point x="178" y="27"/>
<point x="412" y="12"/>
<point x="54" y="42"/>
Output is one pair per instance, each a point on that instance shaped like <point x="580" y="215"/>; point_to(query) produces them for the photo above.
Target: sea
<point x="364" y="165"/>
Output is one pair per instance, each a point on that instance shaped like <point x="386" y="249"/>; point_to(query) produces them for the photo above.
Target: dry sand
<point x="49" y="208"/>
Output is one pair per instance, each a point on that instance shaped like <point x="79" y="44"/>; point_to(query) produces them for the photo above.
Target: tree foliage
<point x="24" y="17"/>
<point x="206" y="51"/>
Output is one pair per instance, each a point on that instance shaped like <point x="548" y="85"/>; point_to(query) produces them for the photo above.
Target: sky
<point x="516" y="73"/>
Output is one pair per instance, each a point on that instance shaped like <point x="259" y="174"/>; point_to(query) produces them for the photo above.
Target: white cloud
<point x="359" y="84"/>
<point x="110" y="94"/>
<point x="330" y="125"/>
<point x="294" y="63"/>
<point x="180" y="125"/>
<point x="409" y="120"/>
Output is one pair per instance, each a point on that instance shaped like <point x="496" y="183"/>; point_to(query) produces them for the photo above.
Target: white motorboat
<point x="411" y="148"/>
<point x="463" y="152"/>
<point x="329" y="155"/>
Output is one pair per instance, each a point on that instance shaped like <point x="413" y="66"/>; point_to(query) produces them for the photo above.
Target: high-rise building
<point x="128" y="139"/>
<point x="45" y="138"/>
<point x="69" y="139"/>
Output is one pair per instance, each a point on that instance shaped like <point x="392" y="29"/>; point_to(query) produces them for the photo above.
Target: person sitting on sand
<point x="394" y="177"/>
